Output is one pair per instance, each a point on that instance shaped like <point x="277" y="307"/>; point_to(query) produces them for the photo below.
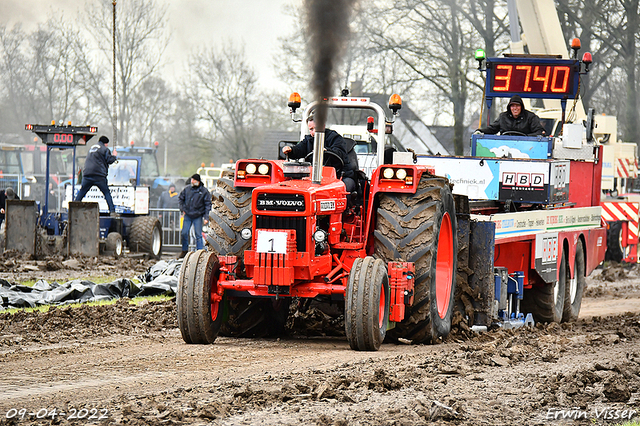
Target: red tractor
<point x="385" y="256"/>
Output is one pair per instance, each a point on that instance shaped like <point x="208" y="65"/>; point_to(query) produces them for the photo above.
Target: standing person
<point x="96" y="167"/>
<point x="169" y="199"/>
<point x="195" y="204"/>
<point x="515" y="119"/>
<point x="6" y="194"/>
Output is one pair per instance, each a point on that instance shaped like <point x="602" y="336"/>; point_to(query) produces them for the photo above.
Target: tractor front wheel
<point x="367" y="304"/>
<point x="199" y="305"/>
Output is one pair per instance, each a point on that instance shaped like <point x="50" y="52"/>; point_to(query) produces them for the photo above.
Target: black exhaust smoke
<point x="328" y="28"/>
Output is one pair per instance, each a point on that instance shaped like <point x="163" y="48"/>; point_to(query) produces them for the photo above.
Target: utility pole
<point x="115" y="111"/>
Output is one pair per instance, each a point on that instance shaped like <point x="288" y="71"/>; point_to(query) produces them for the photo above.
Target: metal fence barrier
<point x="170" y="220"/>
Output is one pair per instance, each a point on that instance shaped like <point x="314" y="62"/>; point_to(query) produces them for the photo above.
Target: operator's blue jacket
<point x="195" y="201"/>
<point x="98" y="160"/>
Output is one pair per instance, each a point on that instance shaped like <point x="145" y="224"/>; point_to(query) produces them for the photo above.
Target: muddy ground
<point x="129" y="365"/>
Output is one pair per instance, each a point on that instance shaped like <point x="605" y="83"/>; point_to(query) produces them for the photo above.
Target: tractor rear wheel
<point x="199" y="313"/>
<point x="230" y="213"/>
<point x="546" y="302"/>
<point x="367" y="304"/>
<point x="421" y="228"/>
<point x="145" y="236"/>
<point x="615" y="251"/>
<point x="113" y="245"/>
<point x="575" y="286"/>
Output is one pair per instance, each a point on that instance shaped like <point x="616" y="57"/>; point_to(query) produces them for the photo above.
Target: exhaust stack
<point x="318" y="157"/>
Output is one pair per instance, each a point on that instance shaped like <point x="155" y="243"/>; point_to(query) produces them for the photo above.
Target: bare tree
<point x="39" y="74"/>
<point x="435" y="44"/>
<point x="141" y="40"/>
<point x="223" y="88"/>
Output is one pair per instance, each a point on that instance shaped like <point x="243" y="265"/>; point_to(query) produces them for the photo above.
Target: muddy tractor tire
<point x="421" y="228"/>
<point x="199" y="317"/>
<point x="615" y="251"/>
<point x="113" y="244"/>
<point x="546" y="302"/>
<point x="230" y="213"/>
<point x="575" y="287"/>
<point x="367" y="304"/>
<point x="145" y="236"/>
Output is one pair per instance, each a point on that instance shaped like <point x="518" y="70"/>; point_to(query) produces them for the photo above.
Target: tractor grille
<point x="299" y="224"/>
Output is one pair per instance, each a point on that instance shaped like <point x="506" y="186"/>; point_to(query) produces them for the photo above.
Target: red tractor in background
<point x="386" y="255"/>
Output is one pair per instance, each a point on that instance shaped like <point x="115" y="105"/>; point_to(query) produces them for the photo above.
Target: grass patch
<point x="630" y="423"/>
<point x="134" y="301"/>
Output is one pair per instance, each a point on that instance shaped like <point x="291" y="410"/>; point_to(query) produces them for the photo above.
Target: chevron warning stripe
<point x="626" y="168"/>
<point x="623" y="210"/>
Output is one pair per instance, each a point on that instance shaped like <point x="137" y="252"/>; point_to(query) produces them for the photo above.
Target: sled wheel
<point x="114" y="244"/>
<point x="145" y="236"/>
<point x="575" y="286"/>
<point x="367" y="304"/>
<point x="420" y="228"/>
<point x="546" y="302"/>
<point x="199" y="307"/>
<point x="615" y="251"/>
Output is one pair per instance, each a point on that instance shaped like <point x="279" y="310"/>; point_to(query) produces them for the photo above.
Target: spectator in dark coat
<point x="6" y="194"/>
<point x="96" y="167"/>
<point x="195" y="204"/>
<point x="515" y="119"/>
<point x="169" y="199"/>
<point x="334" y="143"/>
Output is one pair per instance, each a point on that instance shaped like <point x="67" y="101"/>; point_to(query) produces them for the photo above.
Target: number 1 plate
<point x="271" y="242"/>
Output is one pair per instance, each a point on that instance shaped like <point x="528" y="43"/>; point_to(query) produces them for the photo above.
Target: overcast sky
<point x="194" y="23"/>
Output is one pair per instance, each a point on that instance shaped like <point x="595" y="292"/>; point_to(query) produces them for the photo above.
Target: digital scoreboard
<point x="63" y="135"/>
<point x="529" y="77"/>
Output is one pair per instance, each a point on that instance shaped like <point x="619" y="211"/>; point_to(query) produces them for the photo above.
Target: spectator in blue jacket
<point x="195" y="204"/>
<point x="96" y="167"/>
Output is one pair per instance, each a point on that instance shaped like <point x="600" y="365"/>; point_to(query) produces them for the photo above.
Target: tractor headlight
<point x="319" y="236"/>
<point x="263" y="169"/>
<point x="246" y="234"/>
<point x="387" y="173"/>
<point x="251" y="168"/>
<point x="401" y="174"/>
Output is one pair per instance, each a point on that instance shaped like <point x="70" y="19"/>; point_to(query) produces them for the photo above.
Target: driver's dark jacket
<point x="333" y="142"/>
<point x="527" y="123"/>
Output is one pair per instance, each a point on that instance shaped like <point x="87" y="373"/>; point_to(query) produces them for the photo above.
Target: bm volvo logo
<point x="282" y="202"/>
<point x="327" y="205"/>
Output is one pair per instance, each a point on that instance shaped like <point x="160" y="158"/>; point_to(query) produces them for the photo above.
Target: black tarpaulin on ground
<point x="162" y="278"/>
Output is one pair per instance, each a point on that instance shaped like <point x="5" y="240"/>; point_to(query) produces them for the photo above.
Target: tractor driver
<point x="515" y="119"/>
<point x="333" y="142"/>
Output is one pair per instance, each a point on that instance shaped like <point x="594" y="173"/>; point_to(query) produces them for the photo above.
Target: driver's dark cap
<point x="104" y="139"/>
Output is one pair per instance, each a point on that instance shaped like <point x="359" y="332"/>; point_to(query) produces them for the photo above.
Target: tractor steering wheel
<point x="513" y="132"/>
<point x="332" y="156"/>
